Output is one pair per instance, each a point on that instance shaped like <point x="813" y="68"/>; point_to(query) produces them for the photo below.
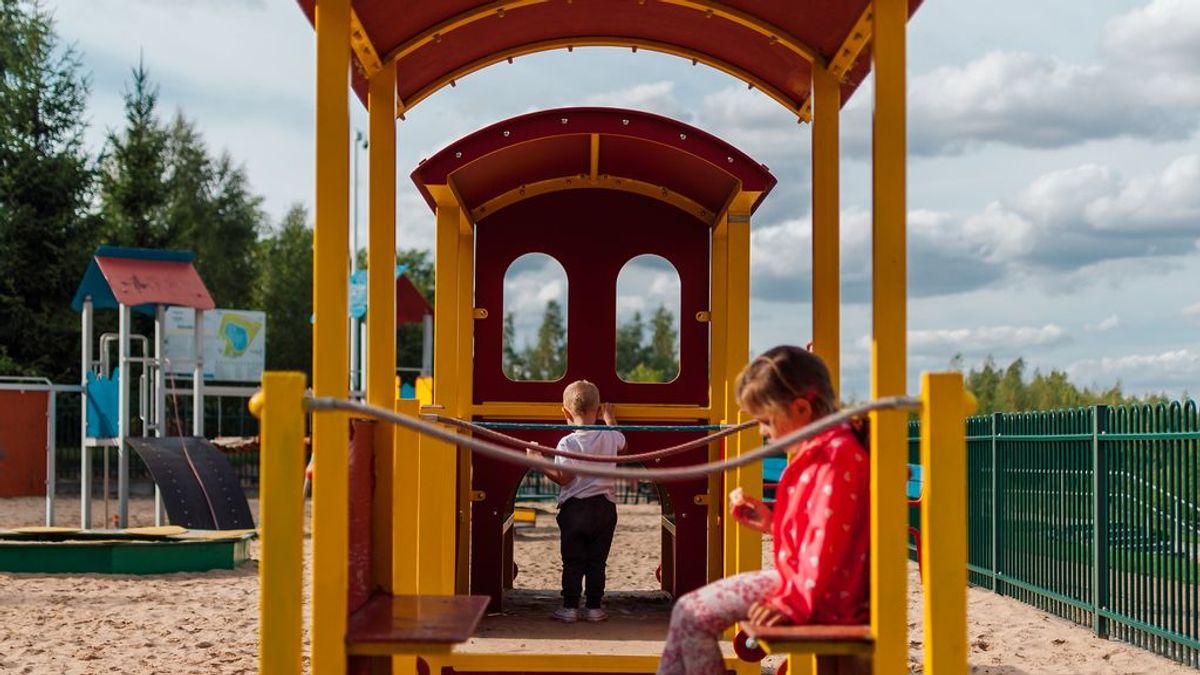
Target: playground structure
<point x="129" y="280"/>
<point x="394" y="583"/>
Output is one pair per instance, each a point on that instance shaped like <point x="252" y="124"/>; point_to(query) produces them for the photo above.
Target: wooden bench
<point x="839" y="650"/>
<point x="413" y="624"/>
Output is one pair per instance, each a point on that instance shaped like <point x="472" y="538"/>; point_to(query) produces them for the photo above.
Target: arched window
<point x="648" y="308"/>
<point x="535" y="319"/>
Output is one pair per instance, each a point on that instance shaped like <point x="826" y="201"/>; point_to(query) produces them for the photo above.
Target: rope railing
<point x="666" y="475"/>
<point x="484" y="430"/>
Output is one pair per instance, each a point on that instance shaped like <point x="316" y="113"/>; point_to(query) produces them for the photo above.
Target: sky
<point x="1054" y="164"/>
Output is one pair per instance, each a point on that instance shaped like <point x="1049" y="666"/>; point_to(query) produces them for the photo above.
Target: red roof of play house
<point x="140" y="278"/>
<point x="411" y="306"/>
<point x="629" y="144"/>
<point x="767" y="43"/>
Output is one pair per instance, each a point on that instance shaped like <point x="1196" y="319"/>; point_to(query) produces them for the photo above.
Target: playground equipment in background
<point x="143" y="550"/>
<point x="810" y="57"/>
<point x="128" y="280"/>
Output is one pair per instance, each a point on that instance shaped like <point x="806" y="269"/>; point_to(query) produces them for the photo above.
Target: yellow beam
<point x="579" y="181"/>
<point x="774" y="34"/>
<point x="604" y="41"/>
<point x="826" y="263"/>
<point x="552" y="412"/>
<point x="463" y="392"/>
<point x="843" y="61"/>
<point x="331" y="357"/>
<point x="889" y="573"/>
<point x="368" y="57"/>
<point x="406" y="499"/>
<point x="381" y="315"/>
<point x="944" y="521"/>
<point x="747" y="544"/>
<point x="281" y="524"/>
<point x="594" y="160"/>
<point x="717" y="387"/>
<point x="438" y="463"/>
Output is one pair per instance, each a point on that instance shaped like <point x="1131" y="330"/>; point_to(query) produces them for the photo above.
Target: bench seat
<point x="413" y="624"/>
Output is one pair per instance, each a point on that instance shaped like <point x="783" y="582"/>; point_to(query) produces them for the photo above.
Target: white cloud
<point x="1107" y="324"/>
<point x="986" y="339"/>
<point x="655" y="97"/>
<point x="1179" y="367"/>
<point x="1192" y="311"/>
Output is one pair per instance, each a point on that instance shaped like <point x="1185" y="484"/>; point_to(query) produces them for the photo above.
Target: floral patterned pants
<point x="701" y="616"/>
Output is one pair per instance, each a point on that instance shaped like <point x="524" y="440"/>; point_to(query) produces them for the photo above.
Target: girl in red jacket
<point x="820" y="522"/>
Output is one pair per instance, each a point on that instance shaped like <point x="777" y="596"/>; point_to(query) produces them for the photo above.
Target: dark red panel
<point x="592" y="233"/>
<point x="675" y="170"/>
<point x="541" y="159"/>
<point x="411" y="306"/>
<point x="23" y="443"/>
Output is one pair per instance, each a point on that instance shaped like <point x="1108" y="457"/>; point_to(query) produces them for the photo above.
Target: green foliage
<point x="284" y="290"/>
<point x="1008" y="390"/>
<point x="47" y="230"/>
<point x="638" y="360"/>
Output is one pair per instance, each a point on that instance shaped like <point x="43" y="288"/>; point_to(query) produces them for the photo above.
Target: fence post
<point x="1100" y="576"/>
<point x="996" y="510"/>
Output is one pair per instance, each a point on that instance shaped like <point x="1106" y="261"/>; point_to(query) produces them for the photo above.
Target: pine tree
<point x="547" y="359"/>
<point x="284" y="290"/>
<point x="47" y="229"/>
<point x="512" y="361"/>
<point x="630" y="336"/>
<point x="663" y="350"/>
<point x="133" y="178"/>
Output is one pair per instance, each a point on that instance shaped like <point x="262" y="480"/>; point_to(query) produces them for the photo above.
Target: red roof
<point x="558" y="144"/>
<point x="155" y="282"/>
<point x="768" y="43"/>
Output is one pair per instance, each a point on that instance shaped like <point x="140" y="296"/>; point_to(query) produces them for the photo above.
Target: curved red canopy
<point x="770" y="44"/>
<point x="590" y="145"/>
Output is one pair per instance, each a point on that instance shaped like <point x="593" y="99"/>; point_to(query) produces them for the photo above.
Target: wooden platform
<point x="411" y="624"/>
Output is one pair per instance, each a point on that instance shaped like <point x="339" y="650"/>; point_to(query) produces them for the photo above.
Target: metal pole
<point x="125" y="317"/>
<point x="85" y="451"/>
<point x="51" y="447"/>
<point x="158" y="388"/>
<point x="198" y="377"/>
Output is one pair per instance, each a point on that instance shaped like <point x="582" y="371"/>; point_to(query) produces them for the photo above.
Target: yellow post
<point x="281" y="523"/>
<point x="330" y="337"/>
<point x="747" y="543"/>
<point x="944" y="521"/>
<point x="381" y="313"/>
<point x="826" y="266"/>
<point x="720" y="541"/>
<point x="889" y="574"/>
<point x="438" y="460"/>
<point x="463" y="391"/>
<point x="405" y="503"/>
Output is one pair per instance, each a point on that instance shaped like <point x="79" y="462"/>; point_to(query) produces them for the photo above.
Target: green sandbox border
<point x="110" y="556"/>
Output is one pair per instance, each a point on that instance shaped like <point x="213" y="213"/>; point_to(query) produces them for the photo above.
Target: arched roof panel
<point x="770" y="44"/>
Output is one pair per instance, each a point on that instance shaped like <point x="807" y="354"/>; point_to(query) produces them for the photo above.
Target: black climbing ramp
<point x="199" y="487"/>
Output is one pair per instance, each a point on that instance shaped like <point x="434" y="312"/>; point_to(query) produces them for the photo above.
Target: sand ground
<point x="208" y="623"/>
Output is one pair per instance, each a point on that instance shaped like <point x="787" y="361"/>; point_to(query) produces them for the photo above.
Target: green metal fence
<point x="1093" y="515"/>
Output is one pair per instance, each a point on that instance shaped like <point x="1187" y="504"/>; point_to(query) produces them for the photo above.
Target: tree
<point x="1006" y="390"/>
<point x="133" y="176"/>
<point x="629" y="345"/>
<point x="654" y="361"/>
<point x="284" y="289"/>
<point x="547" y="359"/>
<point x="663" y="351"/>
<point x="512" y="361"/>
<point x="47" y="229"/>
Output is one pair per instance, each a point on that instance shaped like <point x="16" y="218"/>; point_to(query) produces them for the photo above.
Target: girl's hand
<point x="765" y="614"/>
<point x="750" y="512"/>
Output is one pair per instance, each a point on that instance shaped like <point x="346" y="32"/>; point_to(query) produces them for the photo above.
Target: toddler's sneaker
<point x="566" y="614"/>
<point x="595" y="615"/>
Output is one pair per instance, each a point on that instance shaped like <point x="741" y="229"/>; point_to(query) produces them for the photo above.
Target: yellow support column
<point x="721" y="539"/>
<point x="747" y="543"/>
<point x="405" y="503"/>
<point x="438" y="460"/>
<point x="826" y="265"/>
<point x="889" y="574"/>
<point x="280" y="522"/>
<point x="944" y="522"/>
<point x="381" y="313"/>
<point x="331" y="356"/>
<point x="463" y="392"/>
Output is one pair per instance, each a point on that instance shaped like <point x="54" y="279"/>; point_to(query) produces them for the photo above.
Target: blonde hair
<point x="581" y="397"/>
<point x="782" y="375"/>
